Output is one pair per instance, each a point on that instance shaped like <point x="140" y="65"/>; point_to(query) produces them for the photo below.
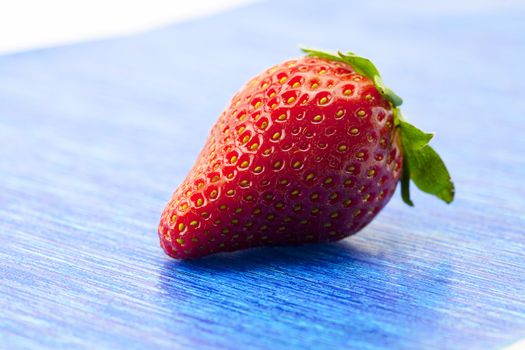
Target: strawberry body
<point x="307" y="151"/>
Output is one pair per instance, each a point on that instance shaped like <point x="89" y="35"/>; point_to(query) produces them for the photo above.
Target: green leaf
<point x="322" y="54"/>
<point x="362" y="66"/>
<point x="418" y="139"/>
<point x="425" y="168"/>
<point x="393" y="97"/>
<point x="405" y="185"/>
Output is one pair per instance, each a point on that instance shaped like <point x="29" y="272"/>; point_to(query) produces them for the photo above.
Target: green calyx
<point x="421" y="163"/>
<point x="362" y="66"/>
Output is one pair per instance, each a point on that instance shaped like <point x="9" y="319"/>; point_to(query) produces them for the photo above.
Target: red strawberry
<point x="308" y="151"/>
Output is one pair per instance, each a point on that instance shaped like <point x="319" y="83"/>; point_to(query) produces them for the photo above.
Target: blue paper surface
<point x="95" y="137"/>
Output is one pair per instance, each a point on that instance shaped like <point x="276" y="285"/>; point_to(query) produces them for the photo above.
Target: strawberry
<point x="310" y="150"/>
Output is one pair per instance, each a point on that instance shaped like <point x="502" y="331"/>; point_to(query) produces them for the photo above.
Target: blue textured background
<point x="94" y="138"/>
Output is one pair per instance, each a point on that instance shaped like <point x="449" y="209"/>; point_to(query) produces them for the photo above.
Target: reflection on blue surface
<point x="95" y="136"/>
<point x="319" y="295"/>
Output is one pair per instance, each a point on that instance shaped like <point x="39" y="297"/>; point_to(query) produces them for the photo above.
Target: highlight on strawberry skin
<point x="310" y="150"/>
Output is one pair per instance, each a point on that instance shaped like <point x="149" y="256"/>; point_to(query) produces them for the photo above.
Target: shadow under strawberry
<point x="323" y="296"/>
<point x="307" y="255"/>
